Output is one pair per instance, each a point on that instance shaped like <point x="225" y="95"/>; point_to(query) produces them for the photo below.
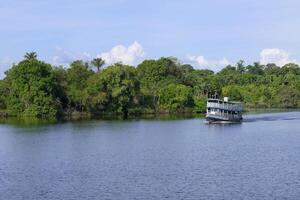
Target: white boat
<point x="222" y="110"/>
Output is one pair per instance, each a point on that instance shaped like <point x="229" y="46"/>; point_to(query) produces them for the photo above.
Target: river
<point x="152" y="159"/>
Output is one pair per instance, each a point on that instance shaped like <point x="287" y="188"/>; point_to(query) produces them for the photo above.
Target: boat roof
<point x="231" y="102"/>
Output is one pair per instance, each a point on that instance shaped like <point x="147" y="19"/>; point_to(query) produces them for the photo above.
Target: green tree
<point x="154" y="74"/>
<point x="98" y="63"/>
<point x="3" y="92"/>
<point x="30" y="56"/>
<point x="228" y="70"/>
<point x="232" y="91"/>
<point x="290" y="68"/>
<point x="31" y="89"/>
<point x="288" y="96"/>
<point x="272" y="69"/>
<point x="240" y="67"/>
<point x="77" y="77"/>
<point x="200" y="104"/>
<point x="121" y="86"/>
<point x="98" y="99"/>
<point x="255" y="69"/>
<point x="175" y="97"/>
<point x="61" y="88"/>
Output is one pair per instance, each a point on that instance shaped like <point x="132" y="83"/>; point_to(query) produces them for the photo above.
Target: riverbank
<point x="33" y="121"/>
<point x="135" y="114"/>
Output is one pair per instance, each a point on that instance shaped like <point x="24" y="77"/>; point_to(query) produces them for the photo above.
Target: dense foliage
<point x="35" y="88"/>
<point x="29" y="89"/>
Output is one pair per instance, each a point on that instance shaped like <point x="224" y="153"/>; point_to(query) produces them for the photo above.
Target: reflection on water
<point x="27" y="121"/>
<point x="32" y="122"/>
<point x="265" y="115"/>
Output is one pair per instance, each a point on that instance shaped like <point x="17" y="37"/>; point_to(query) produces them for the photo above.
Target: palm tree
<point x="30" y="56"/>
<point x="98" y="62"/>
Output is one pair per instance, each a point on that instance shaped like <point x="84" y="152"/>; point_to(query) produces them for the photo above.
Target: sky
<point x="205" y="33"/>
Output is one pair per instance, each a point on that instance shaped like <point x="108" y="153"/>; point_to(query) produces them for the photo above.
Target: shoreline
<point x="78" y="116"/>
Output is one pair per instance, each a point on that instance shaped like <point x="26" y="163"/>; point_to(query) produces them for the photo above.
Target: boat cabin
<point x="223" y="110"/>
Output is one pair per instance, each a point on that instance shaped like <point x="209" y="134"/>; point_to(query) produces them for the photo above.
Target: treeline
<point x="35" y="88"/>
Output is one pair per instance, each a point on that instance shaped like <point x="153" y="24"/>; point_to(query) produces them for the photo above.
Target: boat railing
<point x="224" y="106"/>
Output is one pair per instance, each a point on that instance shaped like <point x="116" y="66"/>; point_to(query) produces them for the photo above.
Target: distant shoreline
<point x="161" y="115"/>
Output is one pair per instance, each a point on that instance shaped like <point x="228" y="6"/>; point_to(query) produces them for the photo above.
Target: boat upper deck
<point x="223" y="104"/>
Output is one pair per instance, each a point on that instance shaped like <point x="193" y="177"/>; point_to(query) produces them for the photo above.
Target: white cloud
<point x="201" y="62"/>
<point x="278" y="56"/>
<point x="63" y="57"/>
<point x="127" y="55"/>
<point x="5" y="64"/>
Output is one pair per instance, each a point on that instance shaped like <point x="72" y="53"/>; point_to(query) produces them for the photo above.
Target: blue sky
<point x="206" y="33"/>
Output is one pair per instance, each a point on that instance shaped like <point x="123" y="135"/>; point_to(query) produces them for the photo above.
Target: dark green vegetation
<point x="35" y="88"/>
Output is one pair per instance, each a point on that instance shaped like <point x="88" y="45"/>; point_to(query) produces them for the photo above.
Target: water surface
<point x="152" y="159"/>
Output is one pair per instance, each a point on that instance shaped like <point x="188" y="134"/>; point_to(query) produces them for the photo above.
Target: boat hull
<point x="216" y="118"/>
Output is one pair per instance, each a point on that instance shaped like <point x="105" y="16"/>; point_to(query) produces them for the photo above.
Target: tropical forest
<point x="37" y="89"/>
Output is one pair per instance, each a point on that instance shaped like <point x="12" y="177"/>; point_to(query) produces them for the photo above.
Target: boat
<point x="223" y="110"/>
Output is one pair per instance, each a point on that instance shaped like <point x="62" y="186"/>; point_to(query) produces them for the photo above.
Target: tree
<point x="77" y="77"/>
<point x="272" y="69"/>
<point x="98" y="100"/>
<point x="240" y="67"/>
<point x="288" y="96"/>
<point x="175" y="97"/>
<point x="228" y="70"/>
<point x="154" y="74"/>
<point x="255" y="69"/>
<point x="30" y="56"/>
<point x="61" y="88"/>
<point x="121" y="85"/>
<point x="3" y="92"/>
<point x="233" y="92"/>
<point x="290" y="68"/>
<point x="98" y="63"/>
<point x="31" y="90"/>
